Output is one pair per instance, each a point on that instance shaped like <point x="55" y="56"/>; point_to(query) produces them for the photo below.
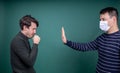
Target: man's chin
<point x="30" y="37"/>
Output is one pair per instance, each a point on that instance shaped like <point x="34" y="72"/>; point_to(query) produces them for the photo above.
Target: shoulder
<point x="17" y="39"/>
<point x="101" y="35"/>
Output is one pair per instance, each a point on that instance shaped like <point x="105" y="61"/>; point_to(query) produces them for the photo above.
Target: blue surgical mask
<point x="104" y="26"/>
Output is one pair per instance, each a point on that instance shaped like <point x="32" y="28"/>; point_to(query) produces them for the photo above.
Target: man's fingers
<point x="63" y="33"/>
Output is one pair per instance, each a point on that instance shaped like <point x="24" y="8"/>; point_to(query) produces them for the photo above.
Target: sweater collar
<point x="23" y="36"/>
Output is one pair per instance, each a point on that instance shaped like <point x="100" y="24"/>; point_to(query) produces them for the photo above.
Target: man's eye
<point x="102" y="19"/>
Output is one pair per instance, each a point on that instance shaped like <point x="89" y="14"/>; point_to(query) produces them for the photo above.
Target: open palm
<point x="63" y="36"/>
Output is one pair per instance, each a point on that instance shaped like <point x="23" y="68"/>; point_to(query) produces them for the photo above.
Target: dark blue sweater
<point x="108" y="46"/>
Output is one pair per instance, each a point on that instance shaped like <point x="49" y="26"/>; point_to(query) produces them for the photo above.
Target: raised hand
<point x="63" y="36"/>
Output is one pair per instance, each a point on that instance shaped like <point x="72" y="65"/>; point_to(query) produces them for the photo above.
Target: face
<point x="31" y="31"/>
<point x="106" y="17"/>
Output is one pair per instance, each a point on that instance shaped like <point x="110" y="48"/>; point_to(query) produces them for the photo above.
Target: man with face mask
<point x="23" y="56"/>
<point x="107" y="44"/>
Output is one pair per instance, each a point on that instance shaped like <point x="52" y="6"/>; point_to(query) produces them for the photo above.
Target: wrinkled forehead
<point x="104" y="16"/>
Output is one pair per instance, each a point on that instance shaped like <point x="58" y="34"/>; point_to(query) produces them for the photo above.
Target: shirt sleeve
<point x="83" y="46"/>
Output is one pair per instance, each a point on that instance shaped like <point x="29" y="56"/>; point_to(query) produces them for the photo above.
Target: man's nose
<point x="35" y="31"/>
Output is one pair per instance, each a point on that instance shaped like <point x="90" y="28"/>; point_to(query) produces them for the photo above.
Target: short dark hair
<point x="26" y="21"/>
<point x="111" y="11"/>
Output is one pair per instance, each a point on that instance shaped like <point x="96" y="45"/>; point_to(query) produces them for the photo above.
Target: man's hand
<point x="36" y="39"/>
<point x="63" y="36"/>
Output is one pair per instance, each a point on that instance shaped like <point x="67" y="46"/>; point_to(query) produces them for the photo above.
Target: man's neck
<point x="113" y="30"/>
<point x="23" y="33"/>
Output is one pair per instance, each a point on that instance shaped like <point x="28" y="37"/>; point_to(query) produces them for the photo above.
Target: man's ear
<point x="114" y="19"/>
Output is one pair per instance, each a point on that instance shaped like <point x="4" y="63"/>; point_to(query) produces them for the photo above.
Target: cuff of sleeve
<point x="35" y="45"/>
<point x="68" y="43"/>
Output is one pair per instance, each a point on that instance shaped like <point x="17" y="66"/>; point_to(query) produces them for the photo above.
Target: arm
<point x="79" y="46"/>
<point x="83" y="46"/>
<point x="26" y="55"/>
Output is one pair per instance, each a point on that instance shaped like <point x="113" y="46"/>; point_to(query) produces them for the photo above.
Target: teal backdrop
<point x="80" y="19"/>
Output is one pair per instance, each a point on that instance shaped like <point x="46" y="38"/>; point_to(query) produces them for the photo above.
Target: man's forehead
<point x="33" y="25"/>
<point x="104" y="15"/>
